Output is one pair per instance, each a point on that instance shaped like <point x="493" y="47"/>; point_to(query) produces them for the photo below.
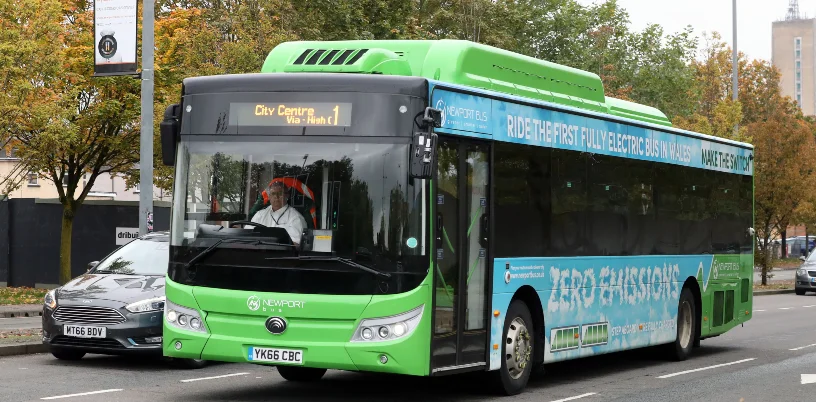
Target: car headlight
<point x="50" y="299"/>
<point x="388" y="328"/>
<point x="800" y="272"/>
<point x="144" y="306"/>
<point x="183" y="317"/>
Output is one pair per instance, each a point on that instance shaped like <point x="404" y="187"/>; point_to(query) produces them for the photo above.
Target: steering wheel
<point x="247" y="223"/>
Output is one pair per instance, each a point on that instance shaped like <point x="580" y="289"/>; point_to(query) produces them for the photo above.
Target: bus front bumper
<point x="396" y="357"/>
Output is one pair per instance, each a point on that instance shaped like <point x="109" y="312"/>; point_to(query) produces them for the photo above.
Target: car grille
<point x="88" y="315"/>
<point x="812" y="273"/>
<point x="62" y="340"/>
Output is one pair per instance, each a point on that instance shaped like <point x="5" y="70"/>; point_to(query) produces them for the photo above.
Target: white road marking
<point x="802" y="347"/>
<point x="812" y="305"/>
<point x="785" y="308"/>
<point x="707" y="368"/>
<point x="758" y="310"/>
<point x="574" y="397"/>
<point x="83" y="394"/>
<point x="211" y="378"/>
<point x="808" y="379"/>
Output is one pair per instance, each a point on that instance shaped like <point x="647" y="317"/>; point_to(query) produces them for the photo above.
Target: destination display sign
<point x="283" y="114"/>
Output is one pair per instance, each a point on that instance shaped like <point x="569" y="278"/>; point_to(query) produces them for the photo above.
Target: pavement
<point x="770" y="358"/>
<point x="778" y="275"/>
<point x="22" y="310"/>
<point x="7" y="324"/>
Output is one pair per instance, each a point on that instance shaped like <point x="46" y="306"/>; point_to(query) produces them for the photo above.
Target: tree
<point x="88" y="126"/>
<point x="759" y="97"/>
<point x="30" y="60"/>
<point x="784" y="161"/>
<point x="714" y="111"/>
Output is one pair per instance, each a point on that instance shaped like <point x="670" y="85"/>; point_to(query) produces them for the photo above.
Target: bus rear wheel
<point x="301" y="374"/>
<point x="517" y="350"/>
<point x="687" y="322"/>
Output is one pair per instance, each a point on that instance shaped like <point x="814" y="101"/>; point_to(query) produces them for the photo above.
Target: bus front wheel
<point x="517" y="350"/>
<point x="301" y="374"/>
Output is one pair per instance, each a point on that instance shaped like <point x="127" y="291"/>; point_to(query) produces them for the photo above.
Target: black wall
<point x="4" y="243"/>
<point x="30" y="236"/>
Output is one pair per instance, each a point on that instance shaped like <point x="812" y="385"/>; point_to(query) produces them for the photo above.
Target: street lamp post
<point x="146" y="138"/>
<point x="734" y="62"/>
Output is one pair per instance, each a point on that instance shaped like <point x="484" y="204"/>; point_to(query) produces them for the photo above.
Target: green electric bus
<point x="433" y="207"/>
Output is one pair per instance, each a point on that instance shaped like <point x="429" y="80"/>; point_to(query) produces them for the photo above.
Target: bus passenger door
<point x="460" y="255"/>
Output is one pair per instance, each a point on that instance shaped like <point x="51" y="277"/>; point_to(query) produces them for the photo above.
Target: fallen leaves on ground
<point x="773" y="285"/>
<point x="21" y="295"/>
<point x="20" y="336"/>
<point x="12" y="333"/>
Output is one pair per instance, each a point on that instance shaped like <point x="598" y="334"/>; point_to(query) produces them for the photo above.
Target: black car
<point x="115" y="308"/>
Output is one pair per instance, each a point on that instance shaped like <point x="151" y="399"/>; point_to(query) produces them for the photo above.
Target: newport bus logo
<point x="463" y="112"/>
<point x="440" y="104"/>
<point x="254" y="303"/>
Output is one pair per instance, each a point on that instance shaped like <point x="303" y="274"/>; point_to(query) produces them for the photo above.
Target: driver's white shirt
<point x="285" y="217"/>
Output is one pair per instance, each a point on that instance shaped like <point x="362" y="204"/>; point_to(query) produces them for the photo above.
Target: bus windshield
<point x="358" y="195"/>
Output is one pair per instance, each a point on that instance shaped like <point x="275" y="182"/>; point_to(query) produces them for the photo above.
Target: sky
<point x="754" y="19"/>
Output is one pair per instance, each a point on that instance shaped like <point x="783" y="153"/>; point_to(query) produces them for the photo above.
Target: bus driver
<point x="280" y="214"/>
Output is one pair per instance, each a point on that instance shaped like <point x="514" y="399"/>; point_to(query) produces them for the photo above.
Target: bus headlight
<point x="183" y="318"/>
<point x="388" y="328"/>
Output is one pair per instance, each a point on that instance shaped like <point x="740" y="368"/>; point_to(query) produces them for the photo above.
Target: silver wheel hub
<point x="518" y="348"/>
<point x="684" y="320"/>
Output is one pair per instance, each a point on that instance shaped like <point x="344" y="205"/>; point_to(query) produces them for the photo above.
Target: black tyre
<point x="517" y="351"/>
<point x="190" y="364"/>
<point x="687" y="322"/>
<point x="800" y="292"/>
<point x="67" y="354"/>
<point x="301" y="374"/>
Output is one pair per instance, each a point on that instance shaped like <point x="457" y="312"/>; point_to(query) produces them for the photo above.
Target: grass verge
<point x="775" y="285"/>
<point x="20" y="336"/>
<point x="21" y="295"/>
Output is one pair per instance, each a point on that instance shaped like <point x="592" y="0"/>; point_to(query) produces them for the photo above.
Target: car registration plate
<point x="80" y="331"/>
<point x="275" y="355"/>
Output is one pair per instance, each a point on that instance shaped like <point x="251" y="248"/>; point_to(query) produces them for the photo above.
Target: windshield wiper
<point x="339" y="259"/>
<point x="210" y="249"/>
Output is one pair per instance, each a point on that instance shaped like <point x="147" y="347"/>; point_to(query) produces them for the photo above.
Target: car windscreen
<point x="139" y="257"/>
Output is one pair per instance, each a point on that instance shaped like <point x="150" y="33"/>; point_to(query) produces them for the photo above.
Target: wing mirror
<point x="91" y="265"/>
<point x="423" y="148"/>
<point x="169" y="129"/>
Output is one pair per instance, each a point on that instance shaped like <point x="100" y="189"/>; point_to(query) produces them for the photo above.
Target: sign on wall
<point x="115" y="37"/>
<point x="126" y="235"/>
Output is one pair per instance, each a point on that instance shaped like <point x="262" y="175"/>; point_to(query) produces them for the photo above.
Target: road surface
<point x="7" y="324"/>
<point x="766" y="360"/>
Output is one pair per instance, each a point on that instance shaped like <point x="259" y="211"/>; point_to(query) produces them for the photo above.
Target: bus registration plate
<point x="275" y="355"/>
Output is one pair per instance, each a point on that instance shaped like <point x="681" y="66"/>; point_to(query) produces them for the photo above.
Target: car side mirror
<point x="91" y="265"/>
<point x="801" y="257"/>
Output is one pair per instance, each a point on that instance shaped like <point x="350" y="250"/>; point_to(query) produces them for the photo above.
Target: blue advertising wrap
<point x="504" y="120"/>
<point x="595" y="305"/>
